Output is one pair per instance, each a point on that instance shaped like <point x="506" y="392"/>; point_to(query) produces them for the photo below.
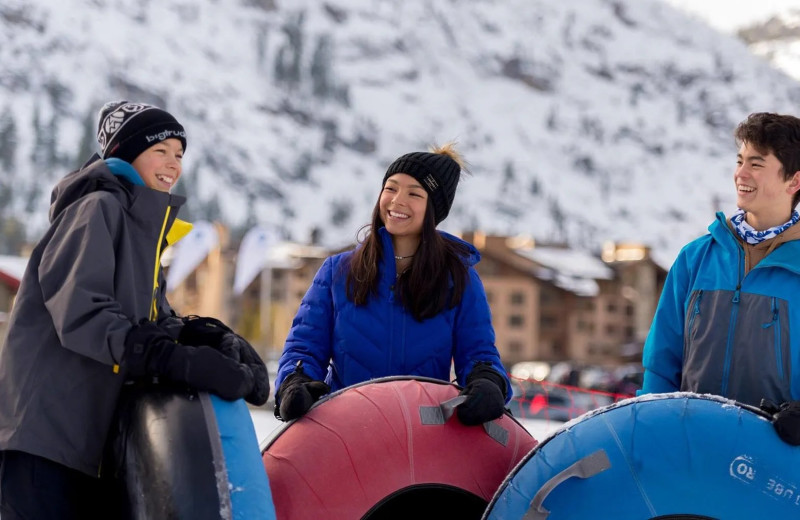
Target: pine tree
<point x="39" y="151"/>
<point x="12" y="236"/>
<point x="509" y="177"/>
<point x="287" y="65"/>
<point x="8" y="141"/>
<point x="321" y="81"/>
<point x="88" y="144"/>
<point x="6" y="197"/>
<point x="262" y="39"/>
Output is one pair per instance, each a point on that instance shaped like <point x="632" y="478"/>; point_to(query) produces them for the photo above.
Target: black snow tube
<point x="175" y="461"/>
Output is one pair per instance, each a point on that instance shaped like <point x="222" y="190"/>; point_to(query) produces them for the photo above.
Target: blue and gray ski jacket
<point x="721" y="330"/>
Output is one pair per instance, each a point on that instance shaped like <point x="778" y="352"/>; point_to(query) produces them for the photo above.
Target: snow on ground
<point x="265" y="422"/>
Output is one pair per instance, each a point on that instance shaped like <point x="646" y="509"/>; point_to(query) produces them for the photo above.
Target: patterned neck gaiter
<point x="751" y="236"/>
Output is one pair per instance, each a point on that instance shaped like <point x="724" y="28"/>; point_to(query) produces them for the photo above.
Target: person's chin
<point x="394" y="229"/>
<point x="394" y="224"/>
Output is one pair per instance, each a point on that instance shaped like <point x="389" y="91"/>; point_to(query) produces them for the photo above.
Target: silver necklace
<point x="402" y="257"/>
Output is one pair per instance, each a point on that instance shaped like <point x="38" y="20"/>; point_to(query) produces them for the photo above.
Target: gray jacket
<point x="94" y="274"/>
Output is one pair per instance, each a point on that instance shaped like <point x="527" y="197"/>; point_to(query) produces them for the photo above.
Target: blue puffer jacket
<point x="345" y="344"/>
<point x="719" y="331"/>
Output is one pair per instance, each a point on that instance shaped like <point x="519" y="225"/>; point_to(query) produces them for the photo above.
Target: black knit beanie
<point x="437" y="172"/>
<point x="127" y="129"/>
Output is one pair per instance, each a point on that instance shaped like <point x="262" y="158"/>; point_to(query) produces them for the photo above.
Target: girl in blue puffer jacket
<point x="406" y="301"/>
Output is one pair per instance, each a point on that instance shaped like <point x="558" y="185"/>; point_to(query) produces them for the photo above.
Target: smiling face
<point x="160" y="165"/>
<point x="402" y="205"/>
<point x="762" y="189"/>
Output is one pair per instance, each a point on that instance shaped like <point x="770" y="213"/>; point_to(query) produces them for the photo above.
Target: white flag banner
<point x="191" y="251"/>
<point x="252" y="257"/>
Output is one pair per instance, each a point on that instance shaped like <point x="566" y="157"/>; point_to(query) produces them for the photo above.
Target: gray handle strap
<point x="440" y="414"/>
<point x="588" y="466"/>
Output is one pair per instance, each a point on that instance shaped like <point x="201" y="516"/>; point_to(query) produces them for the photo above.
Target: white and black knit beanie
<point x="127" y="129"/>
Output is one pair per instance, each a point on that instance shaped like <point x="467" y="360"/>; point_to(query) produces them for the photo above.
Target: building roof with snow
<point x="570" y="269"/>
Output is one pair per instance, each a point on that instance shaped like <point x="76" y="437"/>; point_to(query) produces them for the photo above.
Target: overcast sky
<point x="728" y="15"/>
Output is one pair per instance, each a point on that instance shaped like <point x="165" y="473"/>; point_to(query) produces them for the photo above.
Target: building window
<point x="515" y="320"/>
<point x="515" y="347"/>
<point x="488" y="267"/>
<point x="548" y="322"/>
<point x="629" y="310"/>
<point x="611" y="307"/>
<point x="517" y="298"/>
<point x="489" y="297"/>
<point x="611" y="330"/>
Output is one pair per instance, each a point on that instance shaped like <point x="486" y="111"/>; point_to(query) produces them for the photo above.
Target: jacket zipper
<point x="391" y="327"/>
<point x="695" y="311"/>
<point x="153" y="305"/>
<point x="732" y="325"/>
<point x="775" y="323"/>
<point x="154" y="302"/>
<point x="729" y="347"/>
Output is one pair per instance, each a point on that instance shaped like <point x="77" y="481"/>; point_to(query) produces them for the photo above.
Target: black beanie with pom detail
<point x="437" y="171"/>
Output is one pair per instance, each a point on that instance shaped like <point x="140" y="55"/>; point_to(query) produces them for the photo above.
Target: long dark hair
<point x="425" y="289"/>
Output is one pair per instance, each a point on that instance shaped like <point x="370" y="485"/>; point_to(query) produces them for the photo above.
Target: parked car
<point x="550" y="401"/>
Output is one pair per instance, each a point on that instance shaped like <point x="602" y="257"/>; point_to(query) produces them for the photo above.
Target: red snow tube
<point x="389" y="449"/>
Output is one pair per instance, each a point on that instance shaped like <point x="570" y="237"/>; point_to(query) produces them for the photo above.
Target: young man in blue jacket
<point x="724" y="321"/>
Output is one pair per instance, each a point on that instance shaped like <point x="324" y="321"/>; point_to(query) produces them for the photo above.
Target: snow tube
<point x="389" y="448"/>
<point x="661" y="456"/>
<point x="182" y="454"/>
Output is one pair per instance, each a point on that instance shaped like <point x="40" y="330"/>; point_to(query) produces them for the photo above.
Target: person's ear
<point x="794" y="183"/>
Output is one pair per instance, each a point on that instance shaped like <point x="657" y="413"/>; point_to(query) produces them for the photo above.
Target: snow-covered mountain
<point x="581" y="121"/>
<point x="777" y="39"/>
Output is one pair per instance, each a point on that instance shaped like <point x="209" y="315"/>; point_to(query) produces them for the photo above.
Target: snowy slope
<point x="777" y="39"/>
<point x="582" y="121"/>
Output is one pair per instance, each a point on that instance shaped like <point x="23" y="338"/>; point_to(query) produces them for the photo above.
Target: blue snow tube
<point x="247" y="482"/>
<point x="662" y="456"/>
<point x="182" y="454"/>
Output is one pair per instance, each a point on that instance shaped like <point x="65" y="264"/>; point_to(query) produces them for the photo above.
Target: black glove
<point x="236" y="347"/>
<point x="297" y="393"/>
<point x="785" y="419"/>
<point x="150" y="351"/>
<point x="486" y="396"/>
<point x="198" y="330"/>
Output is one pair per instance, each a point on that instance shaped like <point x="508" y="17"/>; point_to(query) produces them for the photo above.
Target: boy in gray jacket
<point x="92" y="313"/>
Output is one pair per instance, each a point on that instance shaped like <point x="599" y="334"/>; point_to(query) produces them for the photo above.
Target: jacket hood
<point x="473" y="257"/>
<point x="142" y="202"/>
<point x="92" y="176"/>
<point x="722" y="230"/>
